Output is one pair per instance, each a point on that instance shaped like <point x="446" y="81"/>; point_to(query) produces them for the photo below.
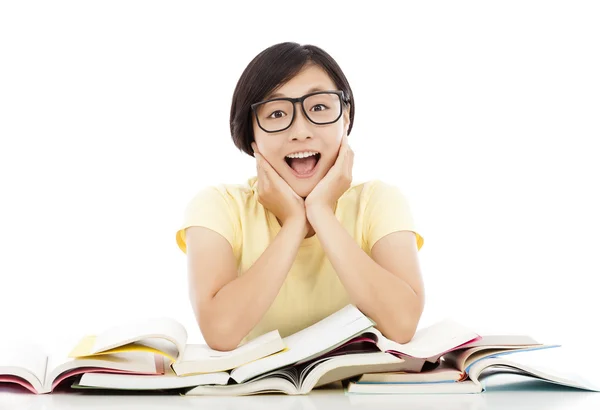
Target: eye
<point x="319" y="105"/>
<point x="277" y="114"/>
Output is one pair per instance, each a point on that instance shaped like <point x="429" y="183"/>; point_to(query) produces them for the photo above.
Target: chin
<point x="303" y="188"/>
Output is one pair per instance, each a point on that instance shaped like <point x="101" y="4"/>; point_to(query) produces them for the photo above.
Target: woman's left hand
<point x="337" y="181"/>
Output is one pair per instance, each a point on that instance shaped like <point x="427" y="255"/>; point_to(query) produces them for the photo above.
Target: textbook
<point x="167" y="337"/>
<point x="167" y="381"/>
<point x="330" y="333"/>
<point x="150" y="348"/>
<point x="427" y="344"/>
<point x="342" y="345"/>
<point x="368" y="353"/>
<point x="29" y="366"/>
<point x="463" y="356"/>
<point x="463" y="370"/>
<point x="153" y="355"/>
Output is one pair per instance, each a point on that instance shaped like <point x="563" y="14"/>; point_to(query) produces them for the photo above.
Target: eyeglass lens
<point x="277" y="115"/>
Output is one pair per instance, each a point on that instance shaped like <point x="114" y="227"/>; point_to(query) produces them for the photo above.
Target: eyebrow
<point x="277" y="95"/>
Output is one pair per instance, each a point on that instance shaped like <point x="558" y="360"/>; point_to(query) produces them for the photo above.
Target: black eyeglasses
<point x="278" y="114"/>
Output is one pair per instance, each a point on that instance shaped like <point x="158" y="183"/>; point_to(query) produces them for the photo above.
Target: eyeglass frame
<point x="340" y="94"/>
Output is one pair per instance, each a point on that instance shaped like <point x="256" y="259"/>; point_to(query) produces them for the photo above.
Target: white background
<point x="114" y="114"/>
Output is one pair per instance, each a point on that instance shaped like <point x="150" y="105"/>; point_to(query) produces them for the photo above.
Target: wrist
<point x="314" y="211"/>
<point x="296" y="224"/>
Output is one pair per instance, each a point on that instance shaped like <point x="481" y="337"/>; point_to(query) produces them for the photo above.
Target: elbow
<point x="409" y="321"/>
<point x="405" y="328"/>
<point x="220" y="336"/>
<point x="402" y="336"/>
<point x="218" y="331"/>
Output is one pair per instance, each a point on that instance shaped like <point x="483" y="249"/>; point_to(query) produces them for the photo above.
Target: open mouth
<point x="303" y="167"/>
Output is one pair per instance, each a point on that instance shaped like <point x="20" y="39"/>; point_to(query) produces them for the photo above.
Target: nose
<point x="300" y="128"/>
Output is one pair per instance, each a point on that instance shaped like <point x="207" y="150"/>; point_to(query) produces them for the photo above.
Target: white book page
<point x="142" y="362"/>
<point x="569" y="366"/>
<point x="200" y="352"/>
<point x="315" y="338"/>
<point x="430" y="341"/>
<point x="469" y="356"/>
<point x="309" y="342"/>
<point x="504" y="340"/>
<point x="24" y="355"/>
<point x="169" y="380"/>
<point x="161" y="328"/>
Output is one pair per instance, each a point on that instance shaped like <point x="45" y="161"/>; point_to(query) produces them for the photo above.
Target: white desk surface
<point x="504" y="392"/>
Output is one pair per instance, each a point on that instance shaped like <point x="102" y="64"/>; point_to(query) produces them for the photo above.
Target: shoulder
<point x="378" y="187"/>
<point x="373" y="191"/>
<point x="220" y="208"/>
<point x="382" y="208"/>
<point x="234" y="195"/>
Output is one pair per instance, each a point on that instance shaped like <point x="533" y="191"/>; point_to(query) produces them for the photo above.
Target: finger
<point x="343" y="158"/>
<point x="344" y="148"/>
<point x="343" y="152"/>
<point x="262" y="161"/>
<point x="265" y="168"/>
<point x="262" y="171"/>
<point x="350" y="163"/>
<point x="256" y="157"/>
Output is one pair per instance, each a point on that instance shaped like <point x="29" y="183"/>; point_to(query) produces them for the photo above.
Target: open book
<point x="167" y="337"/>
<point x="324" y="336"/>
<point x="150" y="348"/>
<point x="343" y="345"/>
<point x="29" y="366"/>
<point x="461" y="371"/>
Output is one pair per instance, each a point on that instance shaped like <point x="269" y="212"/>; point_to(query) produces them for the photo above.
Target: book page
<point x="310" y="342"/>
<point x="151" y="332"/>
<point x="168" y="380"/>
<point x="24" y="355"/>
<point x="199" y="352"/>
<point x="444" y="372"/>
<point x="504" y="340"/>
<point x="431" y="341"/>
<point x="140" y="362"/>
<point x="166" y="349"/>
<point x="317" y="335"/>
<point x="462" y="359"/>
<point x="567" y="367"/>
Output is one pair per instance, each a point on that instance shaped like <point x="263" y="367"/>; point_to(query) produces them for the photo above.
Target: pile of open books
<point x="154" y="355"/>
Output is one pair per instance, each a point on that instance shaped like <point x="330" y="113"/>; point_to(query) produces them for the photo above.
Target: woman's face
<point x="302" y="135"/>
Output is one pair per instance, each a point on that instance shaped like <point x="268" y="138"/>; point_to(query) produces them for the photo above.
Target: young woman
<point x="298" y="241"/>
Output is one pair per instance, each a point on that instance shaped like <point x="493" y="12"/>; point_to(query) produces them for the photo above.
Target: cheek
<point x="269" y="151"/>
<point x="260" y="137"/>
<point x="334" y="142"/>
<point x="262" y="143"/>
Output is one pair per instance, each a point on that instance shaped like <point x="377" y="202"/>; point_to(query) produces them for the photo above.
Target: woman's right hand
<point x="276" y="195"/>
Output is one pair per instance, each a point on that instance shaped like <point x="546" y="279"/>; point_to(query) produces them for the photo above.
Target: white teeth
<point x="302" y="154"/>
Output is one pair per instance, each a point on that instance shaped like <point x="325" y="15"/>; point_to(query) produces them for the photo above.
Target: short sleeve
<point x="209" y="208"/>
<point x="387" y="210"/>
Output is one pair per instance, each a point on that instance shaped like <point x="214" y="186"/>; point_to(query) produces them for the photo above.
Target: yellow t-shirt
<point x="312" y="289"/>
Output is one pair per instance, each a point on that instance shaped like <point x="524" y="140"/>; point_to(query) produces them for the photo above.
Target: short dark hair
<point x="271" y="68"/>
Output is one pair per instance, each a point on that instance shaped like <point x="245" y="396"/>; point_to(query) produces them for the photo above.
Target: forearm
<point x="387" y="299"/>
<point x="241" y="304"/>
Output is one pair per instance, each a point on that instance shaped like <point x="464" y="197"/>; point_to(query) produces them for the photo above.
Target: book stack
<point x="464" y="369"/>
<point x="153" y="355"/>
